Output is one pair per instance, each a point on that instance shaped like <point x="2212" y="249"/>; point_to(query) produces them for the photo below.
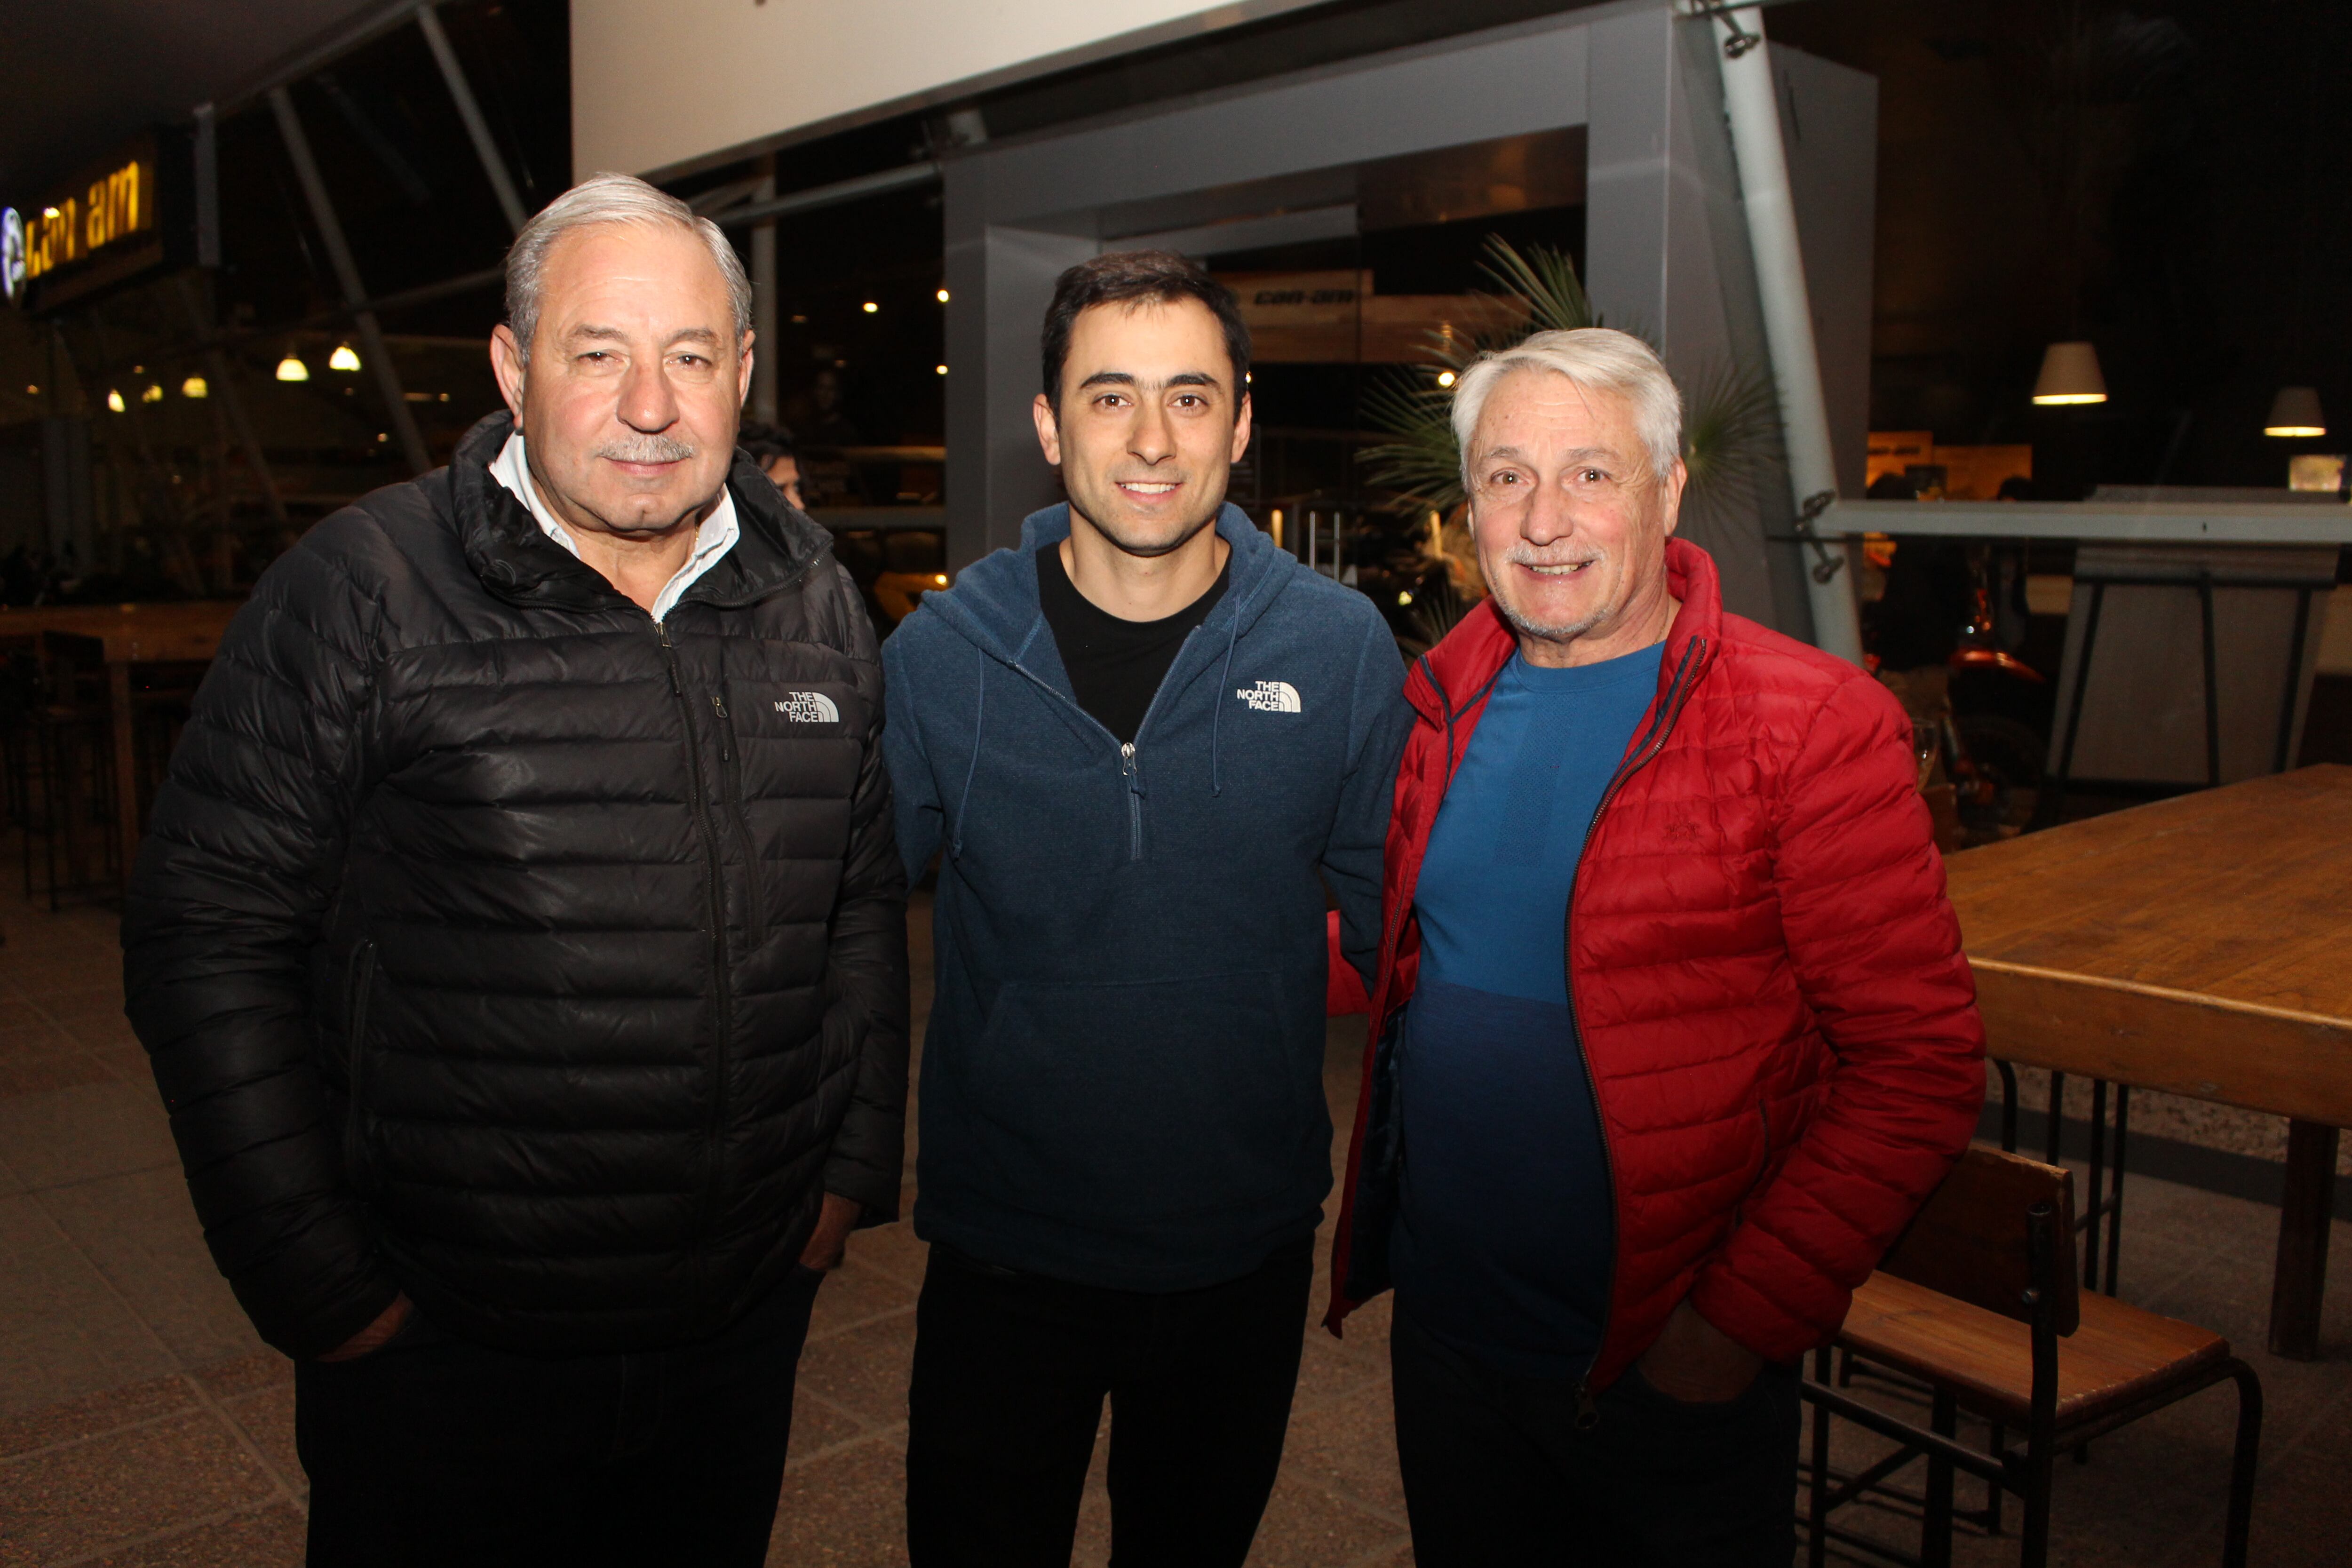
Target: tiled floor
<point x="141" y="1423"/>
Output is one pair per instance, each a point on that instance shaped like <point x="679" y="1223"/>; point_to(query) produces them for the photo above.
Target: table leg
<point x="2305" y="1213"/>
<point x="126" y="762"/>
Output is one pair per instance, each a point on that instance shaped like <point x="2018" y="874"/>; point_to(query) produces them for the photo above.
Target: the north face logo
<point x="809" y="708"/>
<point x="1270" y="696"/>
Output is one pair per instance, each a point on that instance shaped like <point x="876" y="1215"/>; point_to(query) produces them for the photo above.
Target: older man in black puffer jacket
<point x="521" y="943"/>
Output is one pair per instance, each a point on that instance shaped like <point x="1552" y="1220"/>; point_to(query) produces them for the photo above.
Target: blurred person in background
<point x="520" y="943"/>
<point x="770" y="446"/>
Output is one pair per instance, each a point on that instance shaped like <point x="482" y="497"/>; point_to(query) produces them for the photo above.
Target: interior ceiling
<point x="79" y="76"/>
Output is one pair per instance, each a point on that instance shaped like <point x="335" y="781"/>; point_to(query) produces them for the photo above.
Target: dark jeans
<point x="1011" y="1370"/>
<point x="1496" y="1470"/>
<point x="432" y="1450"/>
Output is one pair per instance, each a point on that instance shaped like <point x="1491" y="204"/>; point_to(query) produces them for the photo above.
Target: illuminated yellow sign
<point x="117" y="205"/>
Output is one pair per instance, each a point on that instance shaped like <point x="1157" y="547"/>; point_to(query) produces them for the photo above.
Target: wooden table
<point x="2201" y="946"/>
<point x="185" y="632"/>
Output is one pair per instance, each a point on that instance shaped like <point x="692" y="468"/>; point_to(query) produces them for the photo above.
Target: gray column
<point x="765" y="347"/>
<point x="999" y="281"/>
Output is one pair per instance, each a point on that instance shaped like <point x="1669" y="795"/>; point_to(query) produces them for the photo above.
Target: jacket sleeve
<point x="914" y="791"/>
<point x="234" y="879"/>
<point x="866" y="970"/>
<point x="1877" y="951"/>
<point x="1379" y="721"/>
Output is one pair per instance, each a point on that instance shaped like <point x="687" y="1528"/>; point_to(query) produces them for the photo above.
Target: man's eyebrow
<point x="590" y="332"/>
<point x="1123" y="378"/>
<point x="1578" y="454"/>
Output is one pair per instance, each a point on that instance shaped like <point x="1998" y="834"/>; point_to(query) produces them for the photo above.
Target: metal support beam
<point x="765" y="348"/>
<point x="347" y="277"/>
<point x="905" y="178"/>
<point x="1752" y="106"/>
<point x="217" y="370"/>
<point x="468" y="110"/>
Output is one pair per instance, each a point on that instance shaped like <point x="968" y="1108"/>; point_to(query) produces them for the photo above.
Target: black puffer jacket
<point x="496" y="944"/>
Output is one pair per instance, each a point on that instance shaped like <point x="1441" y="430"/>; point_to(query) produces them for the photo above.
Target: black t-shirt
<point x="1115" y="667"/>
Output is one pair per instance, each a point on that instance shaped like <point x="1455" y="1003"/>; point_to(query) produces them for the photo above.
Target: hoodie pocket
<point x="1143" y="1102"/>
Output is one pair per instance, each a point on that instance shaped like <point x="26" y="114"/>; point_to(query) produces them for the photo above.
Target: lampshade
<point x="293" y="369"/>
<point x="2070" y="373"/>
<point x="2295" y="412"/>
<point x="345" y="357"/>
<point x="196" y="386"/>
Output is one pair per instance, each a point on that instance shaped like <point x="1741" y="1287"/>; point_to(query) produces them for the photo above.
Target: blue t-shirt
<point x="1502" y="1235"/>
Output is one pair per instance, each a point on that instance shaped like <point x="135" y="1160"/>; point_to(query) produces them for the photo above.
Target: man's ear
<point x="743" y="371"/>
<point x="1676" y="481"/>
<point x="1049" y="429"/>
<point x="506" y="364"/>
<point x="1241" y="428"/>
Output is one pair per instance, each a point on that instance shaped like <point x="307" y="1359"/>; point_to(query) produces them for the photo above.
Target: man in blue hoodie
<point x="1142" y="744"/>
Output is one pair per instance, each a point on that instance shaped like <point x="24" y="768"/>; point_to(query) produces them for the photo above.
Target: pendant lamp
<point x="344" y="358"/>
<point x="2070" y="375"/>
<point x="291" y="368"/>
<point x="2295" y="412"/>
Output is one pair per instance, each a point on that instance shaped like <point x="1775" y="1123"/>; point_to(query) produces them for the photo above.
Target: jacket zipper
<point x="1134" y="801"/>
<point x="730" y="757"/>
<point x="723" y="1002"/>
<point x="1588" y="1412"/>
<point x="355" y="1070"/>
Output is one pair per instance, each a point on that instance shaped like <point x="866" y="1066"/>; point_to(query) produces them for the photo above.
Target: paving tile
<point x="854" y="1293"/>
<point x="47" y="1425"/>
<point x="268" y="1418"/>
<point x="865" y="1371"/>
<point x="819" y="1426"/>
<point x="849" y="1510"/>
<point x="66" y="1502"/>
<point x="1327" y="1372"/>
<point x="1348" y="1446"/>
<point x="140" y="1231"/>
<point x="68" y="1068"/>
<point x="1306" y="1527"/>
<point x="30" y="1034"/>
<point x="99" y="1029"/>
<point x="269" y="1537"/>
<point x="245" y="1374"/>
<point x="91" y="1129"/>
<point x="129" y="1064"/>
<point x="892" y="1250"/>
<point x="64" y="1332"/>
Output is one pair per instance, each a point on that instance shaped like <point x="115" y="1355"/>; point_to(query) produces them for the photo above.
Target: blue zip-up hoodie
<point x="1122" y="1085"/>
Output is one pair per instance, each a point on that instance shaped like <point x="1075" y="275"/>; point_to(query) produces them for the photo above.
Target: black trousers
<point x="434" y="1451"/>
<point x="1011" y="1371"/>
<point x="1496" y="1470"/>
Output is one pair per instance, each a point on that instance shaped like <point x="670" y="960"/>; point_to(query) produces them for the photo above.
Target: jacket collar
<point x="516" y="560"/>
<point x="1448" y="679"/>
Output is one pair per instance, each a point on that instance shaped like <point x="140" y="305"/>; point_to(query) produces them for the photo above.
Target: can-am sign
<point x="661" y="88"/>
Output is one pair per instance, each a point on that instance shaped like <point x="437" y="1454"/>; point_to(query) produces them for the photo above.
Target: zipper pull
<point x="1588" y="1412"/>
<point x="1127" y="762"/>
<point x="726" y="748"/>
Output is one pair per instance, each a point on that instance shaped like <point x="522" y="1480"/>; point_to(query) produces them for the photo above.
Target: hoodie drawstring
<point x="963" y="801"/>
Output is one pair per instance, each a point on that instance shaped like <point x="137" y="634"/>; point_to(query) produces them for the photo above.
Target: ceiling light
<point x="1446" y="378"/>
<point x="1404" y="597"/>
<point x="194" y="387"/>
<point x="943" y="296"/>
<point x="870" y="307"/>
<point x="800" y="320"/>
<point x="344" y="358"/>
<point x="941" y="368"/>
<point x="114" y="401"/>
<point x="2070" y="375"/>
<point x="293" y="369"/>
<point x="940" y="578"/>
<point x="2295" y="412"/>
<point x="154" y="393"/>
<point x="32" y="391"/>
<point x="382" y="436"/>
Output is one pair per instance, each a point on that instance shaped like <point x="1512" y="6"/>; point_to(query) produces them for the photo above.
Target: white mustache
<point x="646" y="450"/>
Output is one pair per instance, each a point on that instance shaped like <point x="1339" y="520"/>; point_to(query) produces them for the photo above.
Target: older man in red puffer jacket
<point x="1671" y="1030"/>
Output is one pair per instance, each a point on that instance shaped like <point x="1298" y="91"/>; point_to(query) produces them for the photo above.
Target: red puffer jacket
<point x="1764" y="972"/>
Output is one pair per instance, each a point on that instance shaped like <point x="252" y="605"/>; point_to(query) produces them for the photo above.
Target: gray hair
<point x="610" y="198"/>
<point x="1597" y="358"/>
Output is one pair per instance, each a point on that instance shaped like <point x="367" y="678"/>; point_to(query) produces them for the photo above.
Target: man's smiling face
<point x="1149" y="423"/>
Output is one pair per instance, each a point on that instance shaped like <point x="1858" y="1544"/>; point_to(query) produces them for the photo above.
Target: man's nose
<point x="1548" y="516"/>
<point x="649" y="402"/>
<point x="1153" y="436"/>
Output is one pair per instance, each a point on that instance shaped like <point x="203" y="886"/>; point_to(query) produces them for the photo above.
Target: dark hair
<point x="764" y="443"/>
<point x="1136" y="278"/>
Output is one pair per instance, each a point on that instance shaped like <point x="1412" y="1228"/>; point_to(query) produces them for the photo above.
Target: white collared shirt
<point x="714" y="539"/>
